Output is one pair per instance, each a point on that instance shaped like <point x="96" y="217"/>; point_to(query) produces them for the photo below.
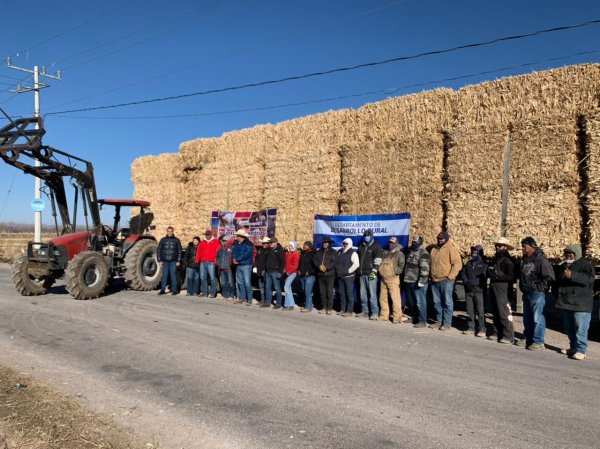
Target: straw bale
<point x="544" y="186"/>
<point x="593" y="192"/>
<point x="395" y="176"/>
<point x="300" y="183"/>
<point x="158" y="179"/>
<point x="540" y="96"/>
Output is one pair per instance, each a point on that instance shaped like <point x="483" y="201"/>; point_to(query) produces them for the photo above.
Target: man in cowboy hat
<point x="501" y="273"/>
<point x="242" y="257"/>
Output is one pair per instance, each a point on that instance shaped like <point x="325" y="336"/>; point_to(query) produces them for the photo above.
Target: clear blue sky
<point x="117" y="51"/>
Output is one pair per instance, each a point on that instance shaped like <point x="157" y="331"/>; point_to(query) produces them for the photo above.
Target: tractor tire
<point x="142" y="270"/>
<point x="87" y="275"/>
<point x="26" y="281"/>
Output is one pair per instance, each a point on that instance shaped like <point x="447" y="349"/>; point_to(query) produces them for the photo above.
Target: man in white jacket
<point x="347" y="264"/>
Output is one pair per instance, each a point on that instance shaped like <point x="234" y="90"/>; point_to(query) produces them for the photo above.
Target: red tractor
<point x="88" y="259"/>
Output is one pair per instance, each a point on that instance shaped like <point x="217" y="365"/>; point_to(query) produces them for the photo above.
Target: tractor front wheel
<point x="87" y="275"/>
<point x="142" y="270"/>
<point x="30" y="279"/>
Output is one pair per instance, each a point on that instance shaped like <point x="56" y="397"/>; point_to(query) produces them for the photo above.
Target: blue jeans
<point x="346" y="293"/>
<point x="244" y="287"/>
<point x="577" y="325"/>
<point x="534" y="321"/>
<point x="443" y="301"/>
<point x="368" y="295"/>
<point x="308" y="284"/>
<point x="289" y="295"/>
<point x="227" y="285"/>
<point x="207" y="270"/>
<point x="169" y="269"/>
<point x="271" y="281"/>
<point x="193" y="280"/>
<point x="417" y="299"/>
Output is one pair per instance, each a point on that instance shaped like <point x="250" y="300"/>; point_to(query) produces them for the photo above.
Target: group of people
<point x="381" y="274"/>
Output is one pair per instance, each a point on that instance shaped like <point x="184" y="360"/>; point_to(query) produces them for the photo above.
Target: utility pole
<point x="37" y="214"/>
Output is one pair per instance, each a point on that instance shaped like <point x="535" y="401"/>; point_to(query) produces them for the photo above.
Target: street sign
<point x="38" y="205"/>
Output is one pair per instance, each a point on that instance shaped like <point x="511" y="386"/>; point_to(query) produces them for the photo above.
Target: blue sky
<point x="129" y="50"/>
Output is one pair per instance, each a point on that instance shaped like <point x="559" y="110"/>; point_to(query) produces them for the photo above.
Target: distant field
<point x="12" y="244"/>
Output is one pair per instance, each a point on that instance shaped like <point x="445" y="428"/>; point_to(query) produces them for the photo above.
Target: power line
<point x="76" y="27"/>
<point x="278" y="40"/>
<point x="337" y="70"/>
<point x="387" y="92"/>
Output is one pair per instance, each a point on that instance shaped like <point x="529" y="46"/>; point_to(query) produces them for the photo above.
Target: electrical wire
<point x="336" y="70"/>
<point x="7" y="194"/>
<point x="387" y="92"/>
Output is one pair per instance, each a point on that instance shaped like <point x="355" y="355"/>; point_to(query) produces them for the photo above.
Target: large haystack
<point x="539" y="112"/>
<point x="396" y="162"/>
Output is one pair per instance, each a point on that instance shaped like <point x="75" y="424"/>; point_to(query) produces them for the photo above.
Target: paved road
<point x="198" y="373"/>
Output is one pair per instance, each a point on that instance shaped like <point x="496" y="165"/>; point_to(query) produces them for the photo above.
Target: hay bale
<point x="592" y="195"/>
<point x="159" y="179"/>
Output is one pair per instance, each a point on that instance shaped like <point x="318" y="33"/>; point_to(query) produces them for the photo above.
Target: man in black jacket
<point x="306" y="270"/>
<point x="191" y="267"/>
<point x="259" y="269"/>
<point x="168" y="255"/>
<point x="575" y="284"/>
<point x="474" y="281"/>
<point x="274" y="266"/>
<point x="501" y="273"/>
<point x="370" y="255"/>
<point x="325" y="261"/>
<point x="536" y="276"/>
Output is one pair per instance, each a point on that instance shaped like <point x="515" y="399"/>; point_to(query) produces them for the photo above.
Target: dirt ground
<point x="32" y="415"/>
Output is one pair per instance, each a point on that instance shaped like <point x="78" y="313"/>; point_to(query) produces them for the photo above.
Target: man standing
<point x="369" y="255"/>
<point x="242" y="257"/>
<point x="274" y="266"/>
<point x="445" y="266"/>
<point x="168" y="255"/>
<point x="502" y="276"/>
<point x="346" y="266"/>
<point x="474" y="281"/>
<point x="416" y="280"/>
<point x="191" y="267"/>
<point x="325" y="261"/>
<point x="576" y="299"/>
<point x="224" y="267"/>
<point x="535" y="279"/>
<point x="259" y="269"/>
<point x="390" y="270"/>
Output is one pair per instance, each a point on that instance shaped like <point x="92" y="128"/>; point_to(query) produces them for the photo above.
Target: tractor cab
<point x="140" y="222"/>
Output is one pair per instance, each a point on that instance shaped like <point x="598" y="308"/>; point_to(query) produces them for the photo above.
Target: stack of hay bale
<point x="592" y="195"/>
<point x="396" y="162"/>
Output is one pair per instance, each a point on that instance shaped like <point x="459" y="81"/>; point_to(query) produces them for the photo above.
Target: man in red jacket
<point x="206" y="256"/>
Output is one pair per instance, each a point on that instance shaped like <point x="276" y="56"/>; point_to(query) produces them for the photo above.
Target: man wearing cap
<point x="242" y="257"/>
<point x="191" y="267"/>
<point x="325" y="261"/>
<point x="501" y="274"/>
<point x="259" y="268"/>
<point x="274" y="266"/>
<point x="390" y="269"/>
<point x="536" y="276"/>
<point x="369" y="255"/>
<point x="474" y="281"/>
<point x="345" y="268"/>
<point x="575" y="299"/>
<point x="416" y="280"/>
<point x="445" y="266"/>
<point x="224" y="267"/>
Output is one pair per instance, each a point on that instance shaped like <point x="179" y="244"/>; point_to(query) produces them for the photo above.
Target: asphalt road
<point x="196" y="373"/>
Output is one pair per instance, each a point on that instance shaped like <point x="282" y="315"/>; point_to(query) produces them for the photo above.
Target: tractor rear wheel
<point x="30" y="280"/>
<point x="87" y="275"/>
<point x="142" y="270"/>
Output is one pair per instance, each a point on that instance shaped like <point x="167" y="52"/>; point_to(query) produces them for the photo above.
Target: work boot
<point x="305" y="310"/>
<point x="382" y="318"/>
<point x="434" y="326"/>
<point x="468" y="332"/>
<point x="443" y="327"/>
<point x="277" y="306"/>
<point x="361" y="315"/>
<point x="505" y="341"/>
<point x="578" y="356"/>
<point x="329" y="311"/>
<point x="536" y="346"/>
<point x="420" y="325"/>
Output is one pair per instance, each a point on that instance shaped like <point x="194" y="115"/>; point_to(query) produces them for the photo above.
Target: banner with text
<point x="384" y="226"/>
<point x="258" y="224"/>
